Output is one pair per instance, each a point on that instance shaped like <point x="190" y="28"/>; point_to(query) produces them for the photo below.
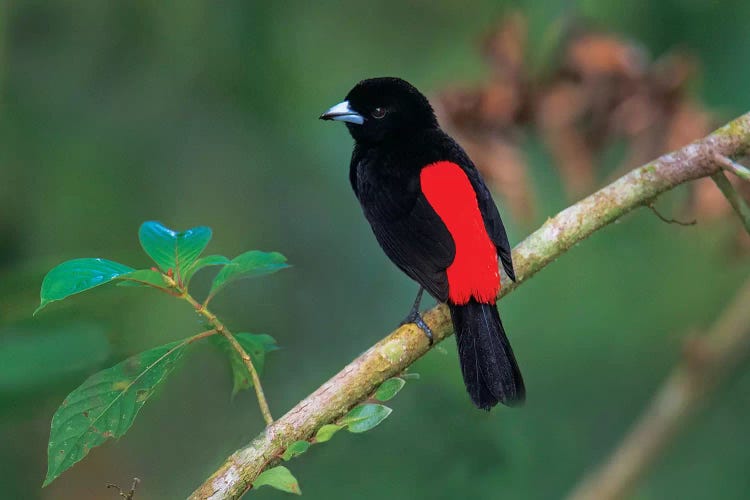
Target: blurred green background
<point x="205" y="113"/>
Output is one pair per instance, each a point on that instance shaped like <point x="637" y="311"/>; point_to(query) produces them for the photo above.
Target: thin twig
<point x="670" y="221"/>
<point x="129" y="495"/>
<point x="738" y="204"/>
<point x="401" y="348"/>
<point x="223" y="330"/>
<point x="740" y="171"/>
<point x="219" y="327"/>
<point x="706" y="362"/>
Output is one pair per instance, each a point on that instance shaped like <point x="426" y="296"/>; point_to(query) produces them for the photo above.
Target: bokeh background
<point x="205" y="113"/>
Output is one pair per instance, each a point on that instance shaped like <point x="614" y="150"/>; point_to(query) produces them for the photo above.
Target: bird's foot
<point x="416" y="318"/>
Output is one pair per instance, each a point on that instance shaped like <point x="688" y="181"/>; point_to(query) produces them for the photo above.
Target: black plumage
<point x="396" y="136"/>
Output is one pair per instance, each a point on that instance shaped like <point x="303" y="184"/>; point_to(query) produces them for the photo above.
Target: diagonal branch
<point x="405" y="345"/>
<point x="733" y="197"/>
<point x="706" y="361"/>
<point x="740" y="171"/>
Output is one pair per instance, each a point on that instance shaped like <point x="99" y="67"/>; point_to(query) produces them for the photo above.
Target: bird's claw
<point x="415" y="318"/>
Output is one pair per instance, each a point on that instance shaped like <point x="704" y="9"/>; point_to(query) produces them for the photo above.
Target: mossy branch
<point x="405" y="345"/>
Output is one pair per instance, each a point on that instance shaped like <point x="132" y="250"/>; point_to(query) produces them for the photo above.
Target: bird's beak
<point x="342" y="112"/>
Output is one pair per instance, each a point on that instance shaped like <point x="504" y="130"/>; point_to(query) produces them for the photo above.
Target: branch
<point x="129" y="495"/>
<point x="405" y="345"/>
<point x="734" y="198"/>
<point x="706" y="362"/>
<point x="740" y="171"/>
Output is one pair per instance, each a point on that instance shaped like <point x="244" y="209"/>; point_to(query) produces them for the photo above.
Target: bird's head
<point x="380" y="109"/>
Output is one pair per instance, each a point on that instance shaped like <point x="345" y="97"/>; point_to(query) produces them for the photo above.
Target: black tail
<point x="487" y="362"/>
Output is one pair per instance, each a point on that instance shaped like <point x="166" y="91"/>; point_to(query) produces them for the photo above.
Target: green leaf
<point x="170" y="249"/>
<point x="410" y="376"/>
<point x="208" y="260"/>
<point x="248" y="265"/>
<point x="280" y="478"/>
<point x="143" y="277"/>
<point x="105" y="405"/>
<point x="326" y="432"/>
<point x="389" y="388"/>
<point x="294" y="449"/>
<point x="78" y="275"/>
<point x="365" y="417"/>
<point x="256" y="346"/>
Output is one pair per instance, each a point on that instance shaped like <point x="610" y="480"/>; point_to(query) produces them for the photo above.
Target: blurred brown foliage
<point x="597" y="90"/>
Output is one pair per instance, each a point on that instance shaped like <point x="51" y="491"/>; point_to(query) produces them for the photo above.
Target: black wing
<point x="494" y="225"/>
<point x="410" y="232"/>
<point x="419" y="244"/>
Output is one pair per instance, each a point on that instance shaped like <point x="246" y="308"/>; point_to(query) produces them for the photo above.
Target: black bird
<point x="434" y="217"/>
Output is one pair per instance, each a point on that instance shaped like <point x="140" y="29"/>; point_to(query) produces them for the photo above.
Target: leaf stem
<point x="208" y="299"/>
<point x="168" y="291"/>
<point x="219" y="327"/>
<point x="201" y="335"/>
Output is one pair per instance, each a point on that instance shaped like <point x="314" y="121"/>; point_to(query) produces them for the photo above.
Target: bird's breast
<point x="385" y="194"/>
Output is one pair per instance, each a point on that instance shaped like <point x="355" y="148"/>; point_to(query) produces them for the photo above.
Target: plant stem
<point x="740" y="171"/>
<point x="202" y="335"/>
<point x="219" y="327"/>
<point x="223" y="330"/>
<point x="738" y="204"/>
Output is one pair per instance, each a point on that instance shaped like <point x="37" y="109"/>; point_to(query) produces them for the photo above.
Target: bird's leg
<point x="414" y="313"/>
<point x="416" y="318"/>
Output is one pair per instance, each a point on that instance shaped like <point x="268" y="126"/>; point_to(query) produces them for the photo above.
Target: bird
<point x="434" y="217"/>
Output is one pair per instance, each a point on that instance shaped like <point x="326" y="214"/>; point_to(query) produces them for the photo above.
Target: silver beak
<point x="342" y="112"/>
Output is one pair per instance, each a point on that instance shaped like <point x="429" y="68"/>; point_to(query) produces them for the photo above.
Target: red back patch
<point x="474" y="271"/>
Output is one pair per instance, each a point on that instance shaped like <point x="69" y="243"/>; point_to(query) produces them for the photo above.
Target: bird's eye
<point x="378" y="113"/>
